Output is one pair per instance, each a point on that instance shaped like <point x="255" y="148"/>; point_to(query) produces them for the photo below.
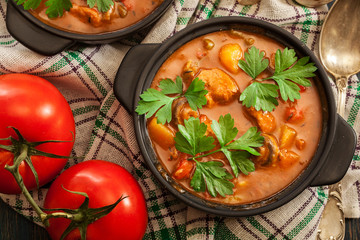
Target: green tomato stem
<point x="14" y="170"/>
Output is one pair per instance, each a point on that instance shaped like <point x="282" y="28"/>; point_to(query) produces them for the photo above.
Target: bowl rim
<point x="117" y="34"/>
<point x="196" y="30"/>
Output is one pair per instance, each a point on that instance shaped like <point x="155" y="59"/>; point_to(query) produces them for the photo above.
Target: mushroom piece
<point x="182" y="111"/>
<point x="269" y="152"/>
<point x="190" y="69"/>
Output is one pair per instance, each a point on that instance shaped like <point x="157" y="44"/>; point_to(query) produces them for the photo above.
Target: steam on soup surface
<point x="85" y="20"/>
<point x="290" y="133"/>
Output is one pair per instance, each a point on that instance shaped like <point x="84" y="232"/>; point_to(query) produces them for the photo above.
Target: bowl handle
<point x="129" y="72"/>
<point x="340" y="155"/>
<point x="32" y="36"/>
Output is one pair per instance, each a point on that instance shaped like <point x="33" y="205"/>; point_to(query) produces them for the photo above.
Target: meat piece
<point x="222" y="88"/>
<point x="86" y="14"/>
<point x="91" y="15"/>
<point x="182" y="111"/>
<point x="204" y="119"/>
<point x="265" y="120"/>
<point x="269" y="152"/>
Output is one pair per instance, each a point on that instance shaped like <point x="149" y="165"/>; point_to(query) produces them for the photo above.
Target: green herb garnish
<point x="56" y="7"/>
<point x="191" y="139"/>
<point x="288" y="73"/>
<point x="226" y="132"/>
<point x="154" y="101"/>
<point x="255" y="62"/>
<point x="286" y="76"/>
<point x="213" y="176"/>
<point x="102" y="5"/>
<point x="260" y="96"/>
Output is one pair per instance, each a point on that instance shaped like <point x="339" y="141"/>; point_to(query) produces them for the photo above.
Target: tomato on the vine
<point x="104" y="183"/>
<point x="40" y="112"/>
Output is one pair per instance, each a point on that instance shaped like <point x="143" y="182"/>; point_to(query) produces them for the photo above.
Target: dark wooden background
<point x="13" y="226"/>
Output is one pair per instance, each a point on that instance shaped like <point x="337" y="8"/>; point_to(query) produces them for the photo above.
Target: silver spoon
<point x="340" y="54"/>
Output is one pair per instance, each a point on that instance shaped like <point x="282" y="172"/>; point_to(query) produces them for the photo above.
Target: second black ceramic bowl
<point x="336" y="147"/>
<point x="47" y="40"/>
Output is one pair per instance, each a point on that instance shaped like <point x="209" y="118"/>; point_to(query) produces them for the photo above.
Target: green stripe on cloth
<point x="86" y="109"/>
<point x="306" y="26"/>
<point x="223" y="232"/>
<point x="354" y="110"/>
<point x="100" y="118"/>
<point x="259" y="227"/>
<point x="89" y="73"/>
<point x="245" y="10"/>
<point x="312" y="213"/>
<point x="182" y="20"/>
<point x="7" y="42"/>
<point x="64" y="61"/>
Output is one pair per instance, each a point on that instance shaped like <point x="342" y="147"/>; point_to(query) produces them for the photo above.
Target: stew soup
<point x="85" y="20"/>
<point x="291" y="132"/>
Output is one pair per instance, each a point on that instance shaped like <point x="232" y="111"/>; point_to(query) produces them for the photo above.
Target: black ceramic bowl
<point x="47" y="40"/>
<point x="338" y="139"/>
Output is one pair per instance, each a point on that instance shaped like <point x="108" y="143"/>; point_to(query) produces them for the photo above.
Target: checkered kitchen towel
<point x="105" y="130"/>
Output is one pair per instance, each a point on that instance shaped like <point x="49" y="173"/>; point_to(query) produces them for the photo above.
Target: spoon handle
<point x="332" y="223"/>
<point x="341" y="83"/>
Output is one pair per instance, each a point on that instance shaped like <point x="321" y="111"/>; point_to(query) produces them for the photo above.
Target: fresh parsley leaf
<point x="254" y="63"/>
<point x="102" y="5"/>
<point x="224" y="129"/>
<point x="284" y="60"/>
<point x="154" y="101"/>
<point x="226" y="132"/>
<point x="287" y="73"/>
<point x="191" y="138"/>
<point x="170" y="87"/>
<point x="250" y="140"/>
<point x="56" y="7"/>
<point x="195" y="94"/>
<point x="29" y="4"/>
<point x="242" y="161"/>
<point x="213" y="176"/>
<point x="261" y="96"/>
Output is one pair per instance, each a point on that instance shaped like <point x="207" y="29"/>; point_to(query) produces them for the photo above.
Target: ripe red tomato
<point x="40" y="112"/>
<point x="104" y="183"/>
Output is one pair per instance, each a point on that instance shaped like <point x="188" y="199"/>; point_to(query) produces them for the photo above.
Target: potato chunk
<point x="288" y="158"/>
<point x="265" y="120"/>
<point x="161" y="134"/>
<point x="222" y="88"/>
<point x="287" y="136"/>
<point x="230" y="55"/>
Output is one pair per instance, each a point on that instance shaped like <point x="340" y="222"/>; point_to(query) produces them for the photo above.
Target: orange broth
<point x="267" y="180"/>
<point x="84" y="20"/>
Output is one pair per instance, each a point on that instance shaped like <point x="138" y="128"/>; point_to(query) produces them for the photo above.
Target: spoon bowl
<point x="340" y="55"/>
<point x="340" y="45"/>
